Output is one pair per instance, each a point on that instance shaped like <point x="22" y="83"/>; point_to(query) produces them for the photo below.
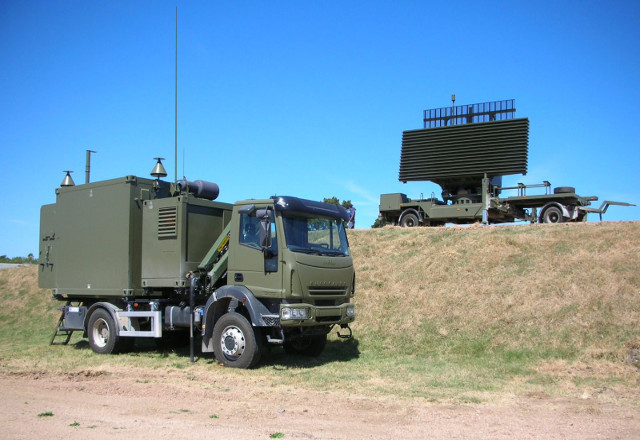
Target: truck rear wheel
<point x="235" y="342"/>
<point x="552" y="214"/>
<point x="311" y="346"/>
<point x="409" y="221"/>
<point x="102" y="332"/>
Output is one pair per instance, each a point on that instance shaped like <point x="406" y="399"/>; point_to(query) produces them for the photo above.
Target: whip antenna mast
<point x="175" y="162"/>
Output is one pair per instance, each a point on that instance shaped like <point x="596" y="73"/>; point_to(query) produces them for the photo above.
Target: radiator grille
<point x="328" y="291"/>
<point x="325" y="302"/>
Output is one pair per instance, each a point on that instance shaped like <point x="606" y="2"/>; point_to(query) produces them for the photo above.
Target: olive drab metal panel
<point x="46" y="257"/>
<point x="92" y="237"/>
<point x="177" y="233"/>
<point x="246" y="264"/>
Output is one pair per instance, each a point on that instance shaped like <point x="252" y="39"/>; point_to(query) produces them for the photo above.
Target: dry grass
<point x="26" y="309"/>
<point x="572" y="289"/>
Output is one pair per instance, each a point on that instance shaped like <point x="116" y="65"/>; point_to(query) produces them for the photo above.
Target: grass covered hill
<point x="569" y="291"/>
<point x="455" y="313"/>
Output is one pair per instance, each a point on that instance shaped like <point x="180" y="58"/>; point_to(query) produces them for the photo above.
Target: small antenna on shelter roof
<point x="68" y="181"/>
<point x="158" y="170"/>
<point x="176" y="107"/>
<point x="87" y="172"/>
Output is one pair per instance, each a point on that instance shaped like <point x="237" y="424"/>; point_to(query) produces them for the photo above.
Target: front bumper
<point x="306" y="315"/>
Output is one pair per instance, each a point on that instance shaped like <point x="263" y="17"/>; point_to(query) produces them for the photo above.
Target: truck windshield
<point x="315" y="234"/>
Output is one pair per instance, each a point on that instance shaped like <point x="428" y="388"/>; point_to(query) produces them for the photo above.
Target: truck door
<point x="250" y="264"/>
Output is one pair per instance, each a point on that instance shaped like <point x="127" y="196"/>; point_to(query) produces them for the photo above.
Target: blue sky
<point x="306" y="98"/>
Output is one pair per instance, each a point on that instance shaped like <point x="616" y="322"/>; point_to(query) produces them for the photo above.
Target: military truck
<point x="143" y="258"/>
<point x="467" y="150"/>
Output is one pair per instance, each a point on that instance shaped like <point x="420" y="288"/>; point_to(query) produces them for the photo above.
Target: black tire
<point x="103" y="338"/>
<point x="564" y="190"/>
<point x="552" y="214"/>
<point x="235" y="342"/>
<point x="311" y="346"/>
<point x="409" y="220"/>
<point x="125" y="344"/>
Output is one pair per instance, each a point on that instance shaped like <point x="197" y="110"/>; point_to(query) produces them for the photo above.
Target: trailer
<point x="467" y="150"/>
<point x="144" y="258"/>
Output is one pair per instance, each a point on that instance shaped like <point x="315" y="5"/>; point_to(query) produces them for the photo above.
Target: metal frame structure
<point x="468" y="114"/>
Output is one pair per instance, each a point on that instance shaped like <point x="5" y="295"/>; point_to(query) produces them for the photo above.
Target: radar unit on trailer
<point x="466" y="150"/>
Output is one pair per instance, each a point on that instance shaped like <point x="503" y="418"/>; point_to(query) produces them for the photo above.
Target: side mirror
<point x="265" y="216"/>
<point x="265" y="233"/>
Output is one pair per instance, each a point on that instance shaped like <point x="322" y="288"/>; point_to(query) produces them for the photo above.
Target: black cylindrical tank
<point x="201" y="189"/>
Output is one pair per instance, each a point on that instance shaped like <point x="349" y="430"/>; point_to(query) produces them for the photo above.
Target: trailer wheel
<point x="409" y="221"/>
<point x="552" y="214"/>
<point x="235" y="342"/>
<point x="311" y="346"/>
<point x="102" y="332"/>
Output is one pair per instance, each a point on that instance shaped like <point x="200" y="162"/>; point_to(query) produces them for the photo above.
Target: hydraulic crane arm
<point x="215" y="262"/>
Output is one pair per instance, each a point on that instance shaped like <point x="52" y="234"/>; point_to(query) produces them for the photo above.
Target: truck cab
<point x="289" y="273"/>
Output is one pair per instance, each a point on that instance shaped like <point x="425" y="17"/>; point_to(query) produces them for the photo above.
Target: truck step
<point x="62" y="335"/>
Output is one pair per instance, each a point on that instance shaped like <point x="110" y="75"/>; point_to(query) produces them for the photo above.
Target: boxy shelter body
<point x="124" y="237"/>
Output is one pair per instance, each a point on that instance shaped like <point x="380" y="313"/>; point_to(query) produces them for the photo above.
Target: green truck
<point x="466" y="150"/>
<point x="144" y="258"/>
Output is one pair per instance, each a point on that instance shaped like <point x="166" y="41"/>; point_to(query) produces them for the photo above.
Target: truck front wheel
<point x="102" y="332"/>
<point x="235" y="342"/>
<point x="409" y="221"/>
<point x="311" y="346"/>
<point x="552" y="214"/>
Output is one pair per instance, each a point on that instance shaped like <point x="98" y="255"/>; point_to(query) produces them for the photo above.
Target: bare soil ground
<point x="169" y="405"/>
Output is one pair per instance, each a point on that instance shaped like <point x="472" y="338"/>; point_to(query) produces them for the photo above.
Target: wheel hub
<point x="232" y="342"/>
<point x="101" y="333"/>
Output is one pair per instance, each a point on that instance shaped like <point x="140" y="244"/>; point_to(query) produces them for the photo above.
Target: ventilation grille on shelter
<point x="168" y="222"/>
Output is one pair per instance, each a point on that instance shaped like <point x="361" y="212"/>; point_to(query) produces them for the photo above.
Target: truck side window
<point x="250" y="236"/>
<point x="250" y="231"/>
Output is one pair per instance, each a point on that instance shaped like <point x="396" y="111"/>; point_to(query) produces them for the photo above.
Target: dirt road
<point x="172" y="405"/>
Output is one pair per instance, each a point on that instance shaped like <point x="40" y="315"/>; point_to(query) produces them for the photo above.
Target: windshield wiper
<point x="307" y="251"/>
<point x="334" y="253"/>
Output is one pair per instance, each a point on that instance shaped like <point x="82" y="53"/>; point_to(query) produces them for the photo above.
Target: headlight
<point x="294" y="313"/>
<point x="351" y="312"/>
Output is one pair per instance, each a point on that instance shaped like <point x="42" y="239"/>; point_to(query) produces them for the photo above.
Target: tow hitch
<point x="343" y="326"/>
